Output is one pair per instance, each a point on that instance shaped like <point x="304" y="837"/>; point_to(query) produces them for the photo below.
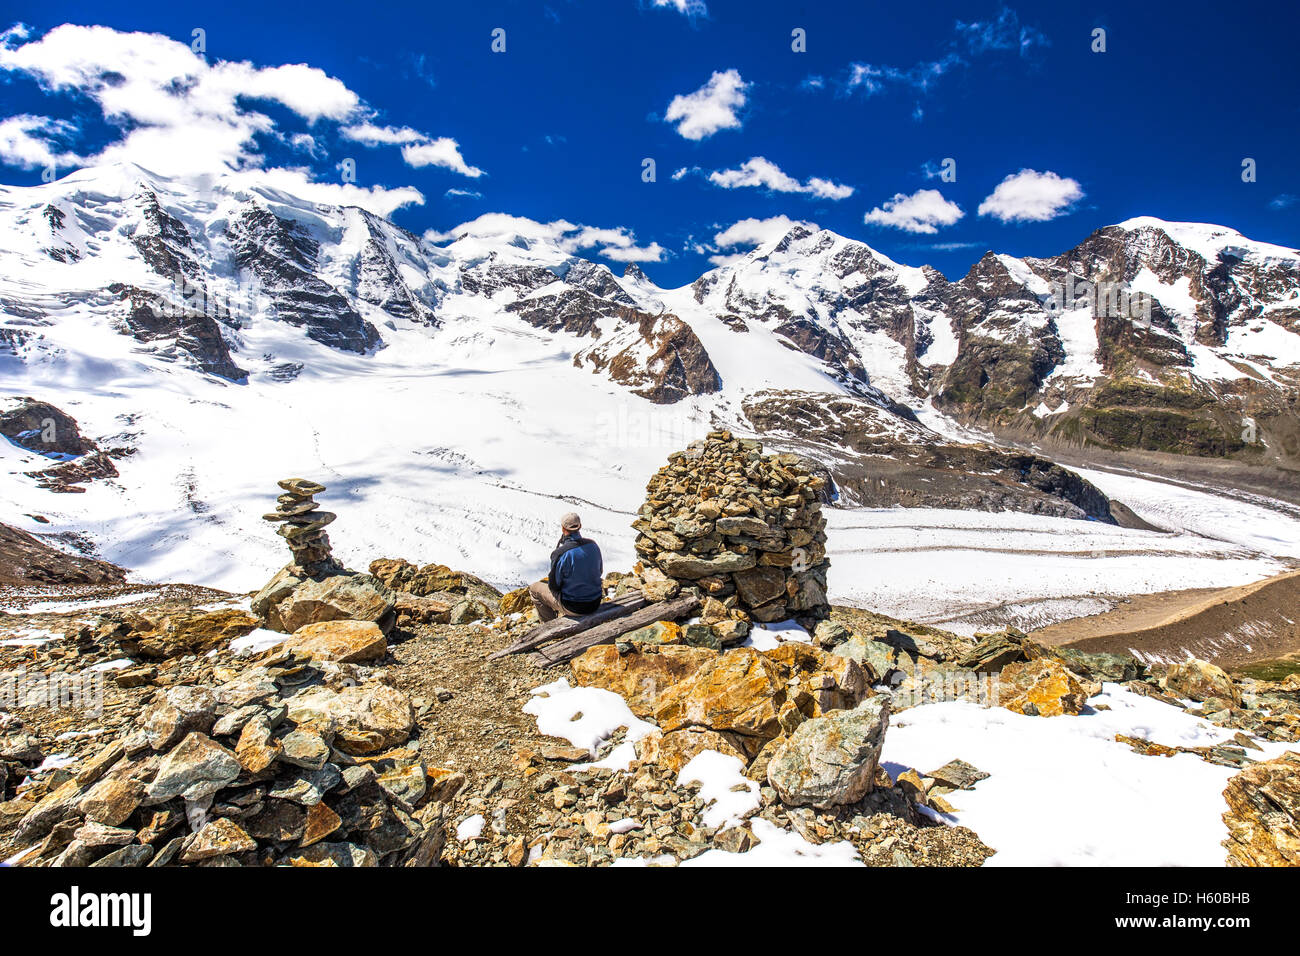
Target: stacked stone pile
<point x="293" y="760"/>
<point x="743" y="527"/>
<point x="301" y="525"/>
<point x="314" y="587"/>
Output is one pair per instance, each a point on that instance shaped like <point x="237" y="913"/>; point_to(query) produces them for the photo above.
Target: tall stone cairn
<point x="302" y="526"/>
<point x="743" y="527"/>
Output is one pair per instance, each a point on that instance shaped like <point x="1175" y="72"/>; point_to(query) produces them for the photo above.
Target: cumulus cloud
<point x="709" y="109"/>
<point x="1031" y="196"/>
<point x="925" y="211"/>
<point x="444" y="152"/>
<point x="617" y="243"/>
<point x="417" y="149"/>
<point x="178" y="114"/>
<point x="762" y="173"/>
<point x="31" y="142"/>
<point x="743" y="236"/>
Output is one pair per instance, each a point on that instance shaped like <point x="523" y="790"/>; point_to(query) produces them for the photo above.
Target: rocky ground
<point x="340" y="747"/>
<point x="476" y="752"/>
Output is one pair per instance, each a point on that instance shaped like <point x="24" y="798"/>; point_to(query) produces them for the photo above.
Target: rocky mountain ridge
<point x="1162" y="336"/>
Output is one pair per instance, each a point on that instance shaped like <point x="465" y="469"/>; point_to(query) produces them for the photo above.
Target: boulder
<point x="992" y="652"/>
<point x="641" y="675"/>
<point x="1200" y="681"/>
<point x="818" y="682"/>
<point x="368" y="718"/>
<point x="467" y="611"/>
<point x="181" y="711"/>
<point x="195" y="769"/>
<point x="517" y="601"/>
<point x="1041" y="688"/>
<point x="220" y="837"/>
<point x="741" y="691"/>
<point x="1263" y="815"/>
<point x="877" y="660"/>
<point x="675" y="749"/>
<point x="189" y="632"/>
<point x="355" y="597"/>
<point x="831" y="761"/>
<point x="347" y="642"/>
<point x="958" y="775"/>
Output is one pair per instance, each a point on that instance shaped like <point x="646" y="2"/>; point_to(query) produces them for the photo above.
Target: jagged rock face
<point x="877" y="460"/>
<point x="177" y="332"/>
<point x="59" y="249"/>
<point x="163" y="240"/>
<point x="41" y="427"/>
<point x="283" y="258"/>
<point x="26" y="560"/>
<point x="663" y="359"/>
<point x="1008" y="343"/>
<point x="825" y="296"/>
<point x="379" y="280"/>
<point x="1263" y="815"/>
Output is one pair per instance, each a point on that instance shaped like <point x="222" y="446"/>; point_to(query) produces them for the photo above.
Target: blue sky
<point x="849" y="134"/>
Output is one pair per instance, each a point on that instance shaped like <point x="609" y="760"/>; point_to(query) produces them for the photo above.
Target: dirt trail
<point x="1228" y="626"/>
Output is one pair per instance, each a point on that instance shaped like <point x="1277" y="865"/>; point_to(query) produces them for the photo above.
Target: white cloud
<point x="380" y="200"/>
<point x="178" y="114"/>
<point x="369" y="134"/>
<point x="444" y="152"/>
<point x="462" y="194"/>
<point x="748" y="234"/>
<point x="924" y="211"/>
<point x="687" y="8"/>
<point x="28" y="141"/>
<point x="1006" y="34"/>
<point x="710" y="108"/>
<point x="617" y="243"/>
<point x="417" y="149"/>
<point x="762" y="173"/>
<point x="1031" y="196"/>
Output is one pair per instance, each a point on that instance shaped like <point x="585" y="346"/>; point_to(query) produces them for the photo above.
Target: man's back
<point x="577" y="569"/>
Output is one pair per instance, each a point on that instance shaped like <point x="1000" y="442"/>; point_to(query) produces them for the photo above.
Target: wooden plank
<point x="569" y="648"/>
<point x="565" y="626"/>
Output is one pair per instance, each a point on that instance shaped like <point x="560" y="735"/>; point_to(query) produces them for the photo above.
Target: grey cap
<point x="571" y="522"/>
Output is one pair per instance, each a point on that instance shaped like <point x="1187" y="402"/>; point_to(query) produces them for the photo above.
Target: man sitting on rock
<point x="573" y="587"/>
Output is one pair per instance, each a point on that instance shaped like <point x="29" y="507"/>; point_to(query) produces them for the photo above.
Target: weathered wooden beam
<point x="570" y="647"/>
<point x="565" y="626"/>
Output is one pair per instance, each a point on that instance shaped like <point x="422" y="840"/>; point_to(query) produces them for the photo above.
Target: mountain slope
<point x="454" y="394"/>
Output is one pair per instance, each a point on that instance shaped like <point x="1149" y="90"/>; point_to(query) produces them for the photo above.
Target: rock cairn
<point x="301" y="525"/>
<point x="293" y="760"/>
<point x="744" y="527"/>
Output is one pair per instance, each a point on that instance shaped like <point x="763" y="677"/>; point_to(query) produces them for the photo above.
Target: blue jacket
<point x="576" y="572"/>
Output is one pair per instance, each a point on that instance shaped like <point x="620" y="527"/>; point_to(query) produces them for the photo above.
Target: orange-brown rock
<point x="515" y="602"/>
<point x="1041" y="688"/>
<point x="675" y="749"/>
<point x="826" y="682"/>
<point x="347" y="642"/>
<point x="321" y="822"/>
<point x="189" y="632"/>
<point x="741" y="691"/>
<point x="1201" y="680"/>
<point x="642" y="675"/>
<point x="1263" y="815"/>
